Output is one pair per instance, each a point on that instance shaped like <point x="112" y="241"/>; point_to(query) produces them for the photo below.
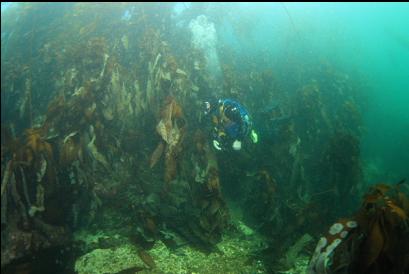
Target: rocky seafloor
<point x="234" y="254"/>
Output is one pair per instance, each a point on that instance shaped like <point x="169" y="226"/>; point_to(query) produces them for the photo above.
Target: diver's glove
<point x="216" y="145"/>
<point x="254" y="136"/>
<point x="236" y="145"/>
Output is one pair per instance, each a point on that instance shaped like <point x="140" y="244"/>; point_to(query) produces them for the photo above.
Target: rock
<point x="101" y="261"/>
<point x="247" y="231"/>
<point x="16" y="243"/>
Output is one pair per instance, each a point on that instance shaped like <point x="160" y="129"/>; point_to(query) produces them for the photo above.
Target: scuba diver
<point x="231" y="124"/>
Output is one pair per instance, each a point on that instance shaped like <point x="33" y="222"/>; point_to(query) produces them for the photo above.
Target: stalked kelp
<point x="171" y="128"/>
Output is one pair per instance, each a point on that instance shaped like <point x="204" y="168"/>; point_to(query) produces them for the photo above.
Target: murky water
<point x="203" y="137"/>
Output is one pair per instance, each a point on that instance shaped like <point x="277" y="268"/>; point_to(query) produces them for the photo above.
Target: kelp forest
<point x="107" y="164"/>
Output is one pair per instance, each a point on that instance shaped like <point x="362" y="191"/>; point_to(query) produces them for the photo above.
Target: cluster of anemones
<point x="322" y="257"/>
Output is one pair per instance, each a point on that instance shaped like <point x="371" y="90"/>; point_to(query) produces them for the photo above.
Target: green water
<point x="371" y="38"/>
<point x="367" y="39"/>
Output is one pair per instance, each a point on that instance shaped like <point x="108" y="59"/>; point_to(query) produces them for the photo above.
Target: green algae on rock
<point x="102" y="261"/>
